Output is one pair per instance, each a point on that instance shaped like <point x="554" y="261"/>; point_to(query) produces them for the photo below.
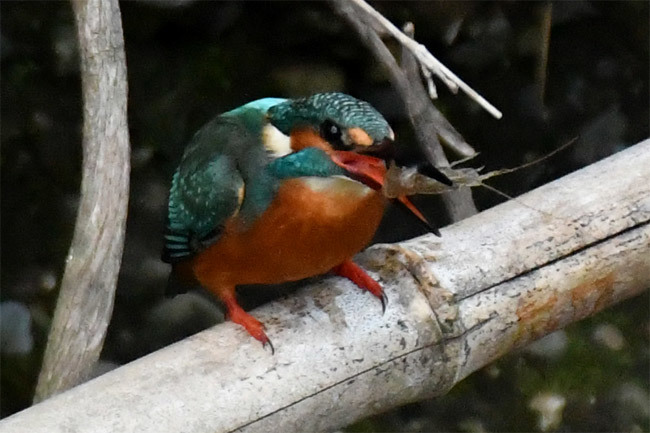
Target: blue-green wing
<point x="208" y="186"/>
<point x="207" y="189"/>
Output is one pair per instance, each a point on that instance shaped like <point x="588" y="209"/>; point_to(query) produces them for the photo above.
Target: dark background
<point x="188" y="62"/>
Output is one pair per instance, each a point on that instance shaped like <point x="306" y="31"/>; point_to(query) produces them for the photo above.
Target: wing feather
<point x="207" y="189"/>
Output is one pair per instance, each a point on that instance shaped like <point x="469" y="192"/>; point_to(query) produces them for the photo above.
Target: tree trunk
<point x="494" y="282"/>
<point x="85" y="301"/>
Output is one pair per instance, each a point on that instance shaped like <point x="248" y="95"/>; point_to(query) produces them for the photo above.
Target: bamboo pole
<point x="492" y="283"/>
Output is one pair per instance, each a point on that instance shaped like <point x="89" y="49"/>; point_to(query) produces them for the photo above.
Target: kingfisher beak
<point x="384" y="149"/>
<point x="366" y="169"/>
<point x="367" y="164"/>
<point x="371" y="171"/>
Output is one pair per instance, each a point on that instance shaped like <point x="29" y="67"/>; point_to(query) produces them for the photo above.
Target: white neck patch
<point x="337" y="184"/>
<point x="275" y="141"/>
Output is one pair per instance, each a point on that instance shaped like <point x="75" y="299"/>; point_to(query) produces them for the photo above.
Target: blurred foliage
<point x="191" y="60"/>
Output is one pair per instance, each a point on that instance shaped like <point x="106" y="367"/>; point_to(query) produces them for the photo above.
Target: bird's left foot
<point x="358" y="276"/>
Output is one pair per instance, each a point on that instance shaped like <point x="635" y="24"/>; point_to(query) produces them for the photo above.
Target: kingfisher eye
<point x="331" y="132"/>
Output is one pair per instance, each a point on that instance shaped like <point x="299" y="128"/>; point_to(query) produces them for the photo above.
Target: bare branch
<point x="423" y="55"/>
<point x="85" y="302"/>
<point x="494" y="282"/>
<point x="541" y="70"/>
<point x="451" y="138"/>
<point x="421" y="112"/>
<point x="428" y="123"/>
<point x="409" y="30"/>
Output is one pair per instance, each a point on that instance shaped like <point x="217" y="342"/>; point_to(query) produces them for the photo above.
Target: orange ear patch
<point x="307" y="137"/>
<point x="360" y="137"/>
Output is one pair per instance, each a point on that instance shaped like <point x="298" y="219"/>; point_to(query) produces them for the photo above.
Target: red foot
<point x="358" y="276"/>
<point x="254" y="327"/>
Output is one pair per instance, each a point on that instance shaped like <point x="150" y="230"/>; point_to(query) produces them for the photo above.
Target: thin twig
<point x="450" y="138"/>
<point x="409" y="30"/>
<point x="427" y="121"/>
<point x="415" y="106"/>
<point x="542" y="66"/>
<point x="431" y="86"/>
<point x="423" y="55"/>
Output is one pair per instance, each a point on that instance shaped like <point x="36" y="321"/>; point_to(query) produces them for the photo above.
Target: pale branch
<point x="419" y="108"/>
<point x="541" y="69"/>
<point x="428" y="123"/>
<point x="409" y="30"/>
<point x="427" y="120"/>
<point x="85" y="302"/>
<point x="425" y="58"/>
<point x="494" y="282"/>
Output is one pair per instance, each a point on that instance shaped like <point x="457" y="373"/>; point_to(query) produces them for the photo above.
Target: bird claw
<point x="384" y="301"/>
<point x="353" y="272"/>
<point x="258" y="333"/>
<point x="268" y="341"/>
<point x="253" y="326"/>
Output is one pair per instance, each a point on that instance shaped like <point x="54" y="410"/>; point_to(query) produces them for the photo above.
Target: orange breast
<point x="312" y="225"/>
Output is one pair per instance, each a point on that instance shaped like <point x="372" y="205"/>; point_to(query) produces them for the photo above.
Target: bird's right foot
<point x="253" y="326"/>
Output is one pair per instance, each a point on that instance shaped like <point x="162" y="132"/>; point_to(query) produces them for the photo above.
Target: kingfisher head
<point x="352" y="132"/>
<point x="329" y="121"/>
<point x="354" y="135"/>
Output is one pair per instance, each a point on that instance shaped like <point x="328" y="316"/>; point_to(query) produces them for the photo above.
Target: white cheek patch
<point x="337" y="184"/>
<point x="275" y="141"/>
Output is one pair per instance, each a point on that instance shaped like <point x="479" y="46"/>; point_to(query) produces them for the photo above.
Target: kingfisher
<point x="279" y="190"/>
